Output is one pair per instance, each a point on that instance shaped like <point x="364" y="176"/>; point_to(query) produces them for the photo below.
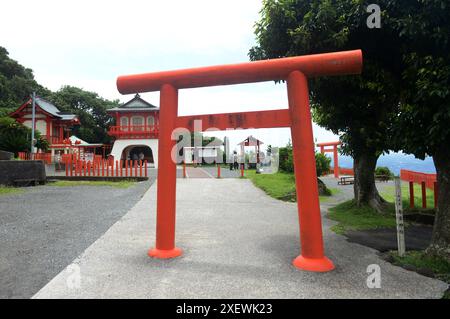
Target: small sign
<point x="399" y="218"/>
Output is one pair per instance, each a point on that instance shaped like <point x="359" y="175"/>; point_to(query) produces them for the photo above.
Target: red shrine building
<point x="54" y="125"/>
<point x="136" y="131"/>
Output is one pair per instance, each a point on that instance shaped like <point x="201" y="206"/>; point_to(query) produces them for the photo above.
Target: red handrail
<point x="418" y="177"/>
<point x="130" y="130"/>
<point x="425" y="180"/>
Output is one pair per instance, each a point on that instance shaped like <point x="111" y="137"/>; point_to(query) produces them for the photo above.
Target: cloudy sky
<point x="89" y="43"/>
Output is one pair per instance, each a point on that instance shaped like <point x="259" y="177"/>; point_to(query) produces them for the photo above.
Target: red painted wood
<point x="336" y="63"/>
<point x="243" y="120"/>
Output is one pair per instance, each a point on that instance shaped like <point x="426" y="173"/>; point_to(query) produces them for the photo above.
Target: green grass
<point x="280" y="185"/>
<point x="419" y="260"/>
<point x="119" y="184"/>
<point x="389" y="194"/>
<point x="5" y="190"/>
<point x="351" y="217"/>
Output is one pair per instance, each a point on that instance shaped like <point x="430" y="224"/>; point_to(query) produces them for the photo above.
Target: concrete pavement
<point x="238" y="243"/>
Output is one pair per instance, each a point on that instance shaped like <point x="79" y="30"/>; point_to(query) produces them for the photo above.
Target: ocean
<point x="395" y="162"/>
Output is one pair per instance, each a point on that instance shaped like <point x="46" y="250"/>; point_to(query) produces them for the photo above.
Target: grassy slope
<point x="279" y="185"/>
<point x="351" y="217"/>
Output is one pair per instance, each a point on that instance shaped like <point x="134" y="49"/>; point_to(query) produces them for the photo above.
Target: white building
<point x="136" y="131"/>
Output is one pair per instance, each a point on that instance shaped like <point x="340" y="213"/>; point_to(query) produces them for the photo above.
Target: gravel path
<point x="44" y="228"/>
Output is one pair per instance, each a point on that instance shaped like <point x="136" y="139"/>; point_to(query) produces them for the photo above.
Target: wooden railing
<point x="46" y="157"/>
<point x="342" y="171"/>
<point x="425" y="180"/>
<point x="106" y="167"/>
<point x="134" y="131"/>
<point x="419" y="178"/>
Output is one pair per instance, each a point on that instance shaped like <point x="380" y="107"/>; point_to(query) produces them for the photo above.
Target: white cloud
<point x="123" y="26"/>
<point x="89" y="43"/>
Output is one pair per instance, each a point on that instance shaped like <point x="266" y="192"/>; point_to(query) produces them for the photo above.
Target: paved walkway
<point x="238" y="243"/>
<point x="43" y="228"/>
<point x="197" y="172"/>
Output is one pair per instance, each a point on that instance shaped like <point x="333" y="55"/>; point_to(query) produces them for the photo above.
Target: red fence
<point x="46" y="157"/>
<point x="418" y="177"/>
<point x="342" y="171"/>
<point x="423" y="179"/>
<point x="103" y="167"/>
<point x="49" y="159"/>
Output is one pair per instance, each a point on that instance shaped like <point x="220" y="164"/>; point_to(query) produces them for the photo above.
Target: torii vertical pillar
<point x="167" y="177"/>
<point x="312" y="252"/>
<point x="336" y="161"/>
<point x="335" y="154"/>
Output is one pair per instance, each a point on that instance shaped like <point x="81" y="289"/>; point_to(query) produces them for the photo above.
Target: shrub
<point x="15" y="137"/>
<point x="287" y="162"/>
<point x="384" y="171"/>
<point x="322" y="164"/>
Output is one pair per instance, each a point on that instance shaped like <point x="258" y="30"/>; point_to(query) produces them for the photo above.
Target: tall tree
<point x="358" y="108"/>
<point x="423" y="126"/>
<point x="90" y="108"/>
<point x="16" y="83"/>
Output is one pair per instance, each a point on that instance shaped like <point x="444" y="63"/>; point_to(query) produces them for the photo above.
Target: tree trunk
<point x="365" y="190"/>
<point x="440" y="242"/>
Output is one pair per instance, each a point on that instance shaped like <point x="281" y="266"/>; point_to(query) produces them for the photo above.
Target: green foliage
<point x="6" y="190"/>
<point x="420" y="260"/>
<point x="16" y="83"/>
<point x="384" y="171"/>
<point x="322" y="164"/>
<point x="282" y="185"/>
<point x="352" y="217"/>
<point x="91" y="110"/>
<point x="405" y="84"/>
<point x="359" y="108"/>
<point x="425" y="110"/>
<point x="16" y="137"/>
<point x="286" y="161"/>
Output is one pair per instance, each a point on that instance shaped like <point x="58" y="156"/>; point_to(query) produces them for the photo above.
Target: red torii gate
<point x="295" y="71"/>
<point x="333" y="150"/>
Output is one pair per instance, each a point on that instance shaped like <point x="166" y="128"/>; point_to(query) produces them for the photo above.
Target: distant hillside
<point x="17" y="83"/>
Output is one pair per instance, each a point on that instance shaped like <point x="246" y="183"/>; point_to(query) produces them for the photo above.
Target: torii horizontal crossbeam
<point x="336" y="63"/>
<point x="241" y="120"/>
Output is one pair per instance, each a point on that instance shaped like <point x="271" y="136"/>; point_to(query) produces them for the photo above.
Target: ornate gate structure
<point x="293" y="70"/>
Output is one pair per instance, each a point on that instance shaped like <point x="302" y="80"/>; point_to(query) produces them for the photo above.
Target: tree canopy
<point x="91" y="110"/>
<point x="359" y="108"/>
<point x="399" y="102"/>
<point x="17" y="83"/>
